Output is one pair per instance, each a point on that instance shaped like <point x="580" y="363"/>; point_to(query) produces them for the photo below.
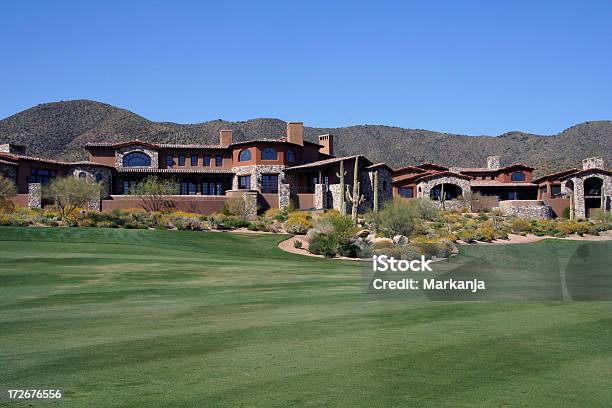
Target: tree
<point x="70" y="193"/>
<point x="7" y="190"/>
<point x="152" y="191"/>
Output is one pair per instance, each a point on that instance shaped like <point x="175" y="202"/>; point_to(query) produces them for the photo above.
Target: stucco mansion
<point x="274" y="172"/>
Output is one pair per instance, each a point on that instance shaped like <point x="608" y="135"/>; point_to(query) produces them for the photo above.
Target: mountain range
<point x="59" y="130"/>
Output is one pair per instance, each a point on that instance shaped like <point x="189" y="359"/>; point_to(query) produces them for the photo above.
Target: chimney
<point x="593" y="163"/>
<point x="295" y="133"/>
<point x="12" y="148"/>
<point x="225" y="137"/>
<point x="327" y="143"/>
<point x="493" y="163"/>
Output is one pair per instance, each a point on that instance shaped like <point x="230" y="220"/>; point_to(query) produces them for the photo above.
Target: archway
<point x="451" y="192"/>
<point x="592" y="194"/>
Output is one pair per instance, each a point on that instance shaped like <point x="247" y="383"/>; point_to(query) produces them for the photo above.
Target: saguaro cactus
<point x="442" y="198"/>
<point x="355" y="198"/>
<point x="341" y="175"/>
<point x="376" y="191"/>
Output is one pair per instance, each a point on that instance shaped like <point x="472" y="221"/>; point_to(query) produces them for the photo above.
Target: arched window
<point x="82" y="176"/>
<point x="269" y="154"/>
<point x="136" y="159"/>
<point x="290" y="156"/>
<point x="245" y="155"/>
<point x="98" y="177"/>
<point x="517" y="176"/>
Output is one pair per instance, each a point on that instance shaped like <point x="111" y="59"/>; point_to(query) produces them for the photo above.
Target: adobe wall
<point x="194" y="204"/>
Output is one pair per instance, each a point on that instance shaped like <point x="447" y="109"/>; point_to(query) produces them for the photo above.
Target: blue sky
<point x="471" y="67"/>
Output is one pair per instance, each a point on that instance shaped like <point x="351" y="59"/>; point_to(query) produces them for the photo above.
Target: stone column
<point x="320" y="197"/>
<point x="34" y="195"/>
<point x="284" y="195"/>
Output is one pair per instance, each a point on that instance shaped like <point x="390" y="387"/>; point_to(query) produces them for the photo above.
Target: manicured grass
<point x="165" y="319"/>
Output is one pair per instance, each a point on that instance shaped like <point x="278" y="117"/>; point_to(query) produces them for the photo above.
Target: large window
<point x="269" y="154"/>
<point x="517" y="176"/>
<point x="219" y="160"/>
<point x="129" y="185"/>
<point x="136" y="159"/>
<point x="181" y="159"/>
<point x="207" y="160"/>
<point x="42" y="176"/>
<point x="188" y="188"/>
<point x="555" y="191"/>
<point x="269" y="183"/>
<point x="244" y="182"/>
<point x="245" y="155"/>
<point x="194" y="160"/>
<point x="405" y="192"/>
<point x="169" y="160"/>
<point x="212" y="188"/>
<point x="290" y="156"/>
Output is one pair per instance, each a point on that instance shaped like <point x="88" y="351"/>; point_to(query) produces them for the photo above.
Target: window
<point x="212" y="188"/>
<point x="244" y="182"/>
<point x="169" y="160"/>
<point x="326" y="180"/>
<point x="188" y="188"/>
<point x="194" y="160"/>
<point x="269" y="183"/>
<point x="219" y="160"/>
<point x="405" y="192"/>
<point x="82" y="176"/>
<point x="269" y="154"/>
<point x="136" y="159"/>
<point x="128" y="185"/>
<point x="98" y="177"/>
<point x="181" y="160"/>
<point x="517" y="176"/>
<point x="207" y="159"/>
<point x="290" y="156"/>
<point x="245" y="155"/>
<point x="555" y="191"/>
<point x="42" y="176"/>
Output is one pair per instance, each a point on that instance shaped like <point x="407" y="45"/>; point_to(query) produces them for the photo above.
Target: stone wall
<point x="529" y="209"/>
<point x="593" y="163"/>
<point x="122" y="151"/>
<point x="320" y="197"/>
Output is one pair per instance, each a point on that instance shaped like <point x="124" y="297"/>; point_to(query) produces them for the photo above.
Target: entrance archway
<point x="451" y="192"/>
<point x="593" y="187"/>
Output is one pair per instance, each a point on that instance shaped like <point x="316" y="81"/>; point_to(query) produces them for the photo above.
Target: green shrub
<point x="406" y="252"/>
<point x="466" y="236"/>
<point x="348" y="249"/>
<point x="398" y="217"/>
<point x="297" y="244"/>
<point x="322" y="244"/>
<point x="566" y="213"/>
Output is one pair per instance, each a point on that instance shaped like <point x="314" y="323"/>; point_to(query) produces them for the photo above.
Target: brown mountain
<point x="60" y="129"/>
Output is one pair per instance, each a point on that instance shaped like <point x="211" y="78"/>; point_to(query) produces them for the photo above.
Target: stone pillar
<point x="250" y="201"/>
<point x="320" y="197"/>
<point x="34" y="195"/>
<point x="284" y="195"/>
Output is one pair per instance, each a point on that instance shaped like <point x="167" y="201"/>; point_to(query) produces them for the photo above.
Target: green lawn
<point x="167" y="319"/>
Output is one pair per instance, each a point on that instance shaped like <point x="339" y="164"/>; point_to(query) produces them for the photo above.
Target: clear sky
<point x="473" y="67"/>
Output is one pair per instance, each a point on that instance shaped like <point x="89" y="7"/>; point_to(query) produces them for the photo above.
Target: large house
<point x="265" y="172"/>
<point x="274" y="172"/>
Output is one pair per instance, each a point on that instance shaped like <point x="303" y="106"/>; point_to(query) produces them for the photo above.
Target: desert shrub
<point x="599" y="215"/>
<point x="348" y="249"/>
<point x="426" y="209"/>
<point x="382" y="244"/>
<point x="188" y="223"/>
<point x="406" y="252"/>
<point x="323" y="244"/>
<point x="397" y="217"/>
<point x="519" y="225"/>
<point x="298" y="223"/>
<point x="485" y="233"/>
<point x="466" y="235"/>
<point x="235" y="222"/>
<point x="275" y="214"/>
<point x="297" y="244"/>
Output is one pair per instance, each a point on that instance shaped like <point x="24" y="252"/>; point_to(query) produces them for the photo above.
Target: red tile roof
<point x="556" y="175"/>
